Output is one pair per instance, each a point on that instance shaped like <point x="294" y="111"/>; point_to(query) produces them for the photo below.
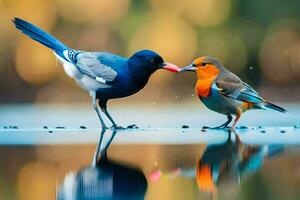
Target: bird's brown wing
<point x="230" y="85"/>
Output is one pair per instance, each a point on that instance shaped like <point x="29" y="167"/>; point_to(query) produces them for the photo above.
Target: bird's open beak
<point x="170" y="67"/>
<point x="189" y="68"/>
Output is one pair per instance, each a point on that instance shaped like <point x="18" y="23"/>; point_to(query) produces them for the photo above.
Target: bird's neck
<point x="207" y="72"/>
<point x="139" y="75"/>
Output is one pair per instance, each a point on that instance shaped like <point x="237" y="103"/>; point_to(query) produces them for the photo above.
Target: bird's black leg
<point x="104" y="151"/>
<point x="115" y="126"/>
<point x="93" y="94"/>
<point x="229" y="119"/>
<point x="96" y="154"/>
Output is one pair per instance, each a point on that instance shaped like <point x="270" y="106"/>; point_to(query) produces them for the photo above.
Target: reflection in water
<point x="104" y="180"/>
<point x="230" y="162"/>
<point x="224" y="163"/>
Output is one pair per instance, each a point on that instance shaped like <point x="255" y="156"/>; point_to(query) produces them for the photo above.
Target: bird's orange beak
<point x="170" y="67"/>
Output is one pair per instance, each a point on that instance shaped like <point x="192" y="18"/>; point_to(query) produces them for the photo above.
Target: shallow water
<point x="157" y="162"/>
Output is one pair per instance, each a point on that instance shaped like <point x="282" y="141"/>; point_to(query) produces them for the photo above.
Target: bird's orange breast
<point x="206" y="77"/>
<point x="203" y="86"/>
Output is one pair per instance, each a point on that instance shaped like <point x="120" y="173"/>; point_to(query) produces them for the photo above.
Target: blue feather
<point x="250" y="95"/>
<point x="40" y="36"/>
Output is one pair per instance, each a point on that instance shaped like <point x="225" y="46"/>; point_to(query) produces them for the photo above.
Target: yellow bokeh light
<point x="40" y="13"/>
<point x="172" y="6"/>
<point x="35" y="63"/>
<point x="171" y="37"/>
<point x="203" y="13"/>
<point x="36" y="181"/>
<point x="89" y="39"/>
<point x="207" y="13"/>
<point x="104" y="11"/>
<point x="279" y="55"/>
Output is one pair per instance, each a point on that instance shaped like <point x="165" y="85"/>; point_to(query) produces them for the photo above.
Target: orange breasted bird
<point x="222" y="91"/>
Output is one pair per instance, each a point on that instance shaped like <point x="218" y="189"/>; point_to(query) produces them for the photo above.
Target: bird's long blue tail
<point x="40" y="36"/>
<point x="274" y="107"/>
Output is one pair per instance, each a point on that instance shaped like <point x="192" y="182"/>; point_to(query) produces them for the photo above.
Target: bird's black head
<point x="143" y="63"/>
<point x="146" y="61"/>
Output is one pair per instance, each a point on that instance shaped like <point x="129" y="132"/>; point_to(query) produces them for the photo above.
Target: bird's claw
<point x="216" y="128"/>
<point x="132" y="126"/>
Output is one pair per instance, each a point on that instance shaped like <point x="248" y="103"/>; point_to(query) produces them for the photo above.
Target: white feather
<point x="66" y="54"/>
<point x="69" y="68"/>
<point x="100" y="79"/>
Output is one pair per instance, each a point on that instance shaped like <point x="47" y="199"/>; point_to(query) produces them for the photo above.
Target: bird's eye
<point x="152" y="60"/>
<point x="203" y="64"/>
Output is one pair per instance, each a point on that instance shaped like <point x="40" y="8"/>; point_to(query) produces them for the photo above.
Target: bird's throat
<point x="203" y="86"/>
<point x="140" y="79"/>
<point x="207" y="72"/>
<point x="206" y="77"/>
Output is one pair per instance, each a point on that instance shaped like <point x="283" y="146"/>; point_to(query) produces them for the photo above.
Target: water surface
<point x="256" y="161"/>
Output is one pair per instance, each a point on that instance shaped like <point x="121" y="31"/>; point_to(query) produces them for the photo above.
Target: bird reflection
<point x="230" y="161"/>
<point x="104" y="179"/>
<point x="224" y="163"/>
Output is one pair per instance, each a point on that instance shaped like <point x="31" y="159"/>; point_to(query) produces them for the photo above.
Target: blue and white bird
<point x="105" y="75"/>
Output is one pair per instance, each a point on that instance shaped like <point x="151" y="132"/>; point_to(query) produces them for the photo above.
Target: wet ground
<point x="48" y="152"/>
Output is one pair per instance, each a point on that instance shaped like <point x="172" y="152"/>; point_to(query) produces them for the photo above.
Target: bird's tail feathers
<point x="40" y="36"/>
<point x="274" y="107"/>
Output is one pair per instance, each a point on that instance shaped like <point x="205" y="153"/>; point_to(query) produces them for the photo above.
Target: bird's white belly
<point x="69" y="68"/>
<point x="84" y="81"/>
<point x="90" y="84"/>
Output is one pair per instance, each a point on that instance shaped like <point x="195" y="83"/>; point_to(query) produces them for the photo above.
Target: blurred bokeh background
<point x="258" y="40"/>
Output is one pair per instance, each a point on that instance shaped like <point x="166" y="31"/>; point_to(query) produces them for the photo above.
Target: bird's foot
<point x="216" y="128"/>
<point x="132" y="126"/>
